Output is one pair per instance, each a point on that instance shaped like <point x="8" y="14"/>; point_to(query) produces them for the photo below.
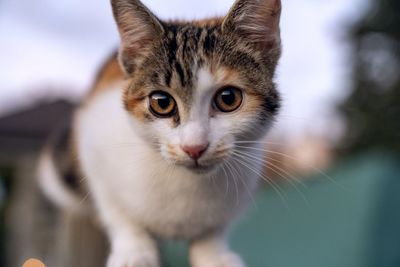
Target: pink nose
<point x="195" y="152"/>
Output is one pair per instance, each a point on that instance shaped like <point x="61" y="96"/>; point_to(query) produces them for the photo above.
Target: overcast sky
<point x="53" y="48"/>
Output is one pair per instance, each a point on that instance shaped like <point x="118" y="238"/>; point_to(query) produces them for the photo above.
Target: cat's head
<point x="197" y="89"/>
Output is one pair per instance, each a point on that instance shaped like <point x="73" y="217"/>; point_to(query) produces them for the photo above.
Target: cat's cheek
<point x="141" y="114"/>
<point x="220" y="135"/>
<point x="166" y="138"/>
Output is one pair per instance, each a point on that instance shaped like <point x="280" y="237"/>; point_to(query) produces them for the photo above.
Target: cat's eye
<point x="228" y="99"/>
<point x="162" y="104"/>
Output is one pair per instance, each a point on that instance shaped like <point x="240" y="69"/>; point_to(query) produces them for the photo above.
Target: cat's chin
<point x="201" y="169"/>
<point x="198" y="168"/>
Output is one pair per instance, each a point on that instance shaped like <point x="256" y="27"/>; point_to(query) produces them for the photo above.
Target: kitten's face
<point x="198" y="88"/>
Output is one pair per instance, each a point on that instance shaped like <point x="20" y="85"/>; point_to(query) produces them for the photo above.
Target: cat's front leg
<point x="132" y="247"/>
<point x="130" y="244"/>
<point x="213" y="251"/>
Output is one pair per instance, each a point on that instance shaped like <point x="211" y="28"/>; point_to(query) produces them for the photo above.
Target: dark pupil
<point x="228" y="97"/>
<point x="163" y="101"/>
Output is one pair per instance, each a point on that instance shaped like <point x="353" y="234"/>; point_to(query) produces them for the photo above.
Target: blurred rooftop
<point x="22" y="129"/>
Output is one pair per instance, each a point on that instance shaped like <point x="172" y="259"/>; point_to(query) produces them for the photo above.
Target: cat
<point x="160" y="136"/>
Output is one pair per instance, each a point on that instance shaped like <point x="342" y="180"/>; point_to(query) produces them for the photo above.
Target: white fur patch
<point x="194" y="133"/>
<point x="205" y="80"/>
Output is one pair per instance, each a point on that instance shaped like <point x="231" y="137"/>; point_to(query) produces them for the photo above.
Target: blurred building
<point x="22" y="133"/>
<point x="30" y="226"/>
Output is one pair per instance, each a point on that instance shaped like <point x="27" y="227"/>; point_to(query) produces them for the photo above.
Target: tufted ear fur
<point x="139" y="28"/>
<point x="255" y="21"/>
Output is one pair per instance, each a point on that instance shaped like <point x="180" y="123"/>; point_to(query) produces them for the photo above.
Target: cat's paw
<point x="228" y="259"/>
<point x="133" y="259"/>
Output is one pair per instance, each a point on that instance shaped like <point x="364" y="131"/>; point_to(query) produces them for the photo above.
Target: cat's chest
<point x="179" y="205"/>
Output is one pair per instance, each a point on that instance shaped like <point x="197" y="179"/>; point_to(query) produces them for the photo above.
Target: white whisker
<point x="294" y="159"/>
<point x="234" y="180"/>
<point x="273" y="168"/>
<point x="239" y="175"/>
<point x="226" y="178"/>
<point x="276" y="188"/>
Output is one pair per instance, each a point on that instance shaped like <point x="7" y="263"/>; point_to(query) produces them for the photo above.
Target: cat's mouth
<point x="201" y="165"/>
<point x="197" y="166"/>
<point x="200" y="168"/>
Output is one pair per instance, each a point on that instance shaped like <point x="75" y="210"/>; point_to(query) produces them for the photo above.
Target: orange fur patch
<point x="136" y="106"/>
<point x="109" y="74"/>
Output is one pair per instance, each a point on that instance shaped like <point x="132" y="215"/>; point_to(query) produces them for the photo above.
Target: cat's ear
<point x="256" y="21"/>
<point x="139" y="29"/>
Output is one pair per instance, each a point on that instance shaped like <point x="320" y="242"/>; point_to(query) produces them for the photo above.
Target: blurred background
<point x="335" y="157"/>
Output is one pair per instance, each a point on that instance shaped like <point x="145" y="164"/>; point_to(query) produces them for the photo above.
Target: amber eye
<point x="228" y="99"/>
<point x="162" y="104"/>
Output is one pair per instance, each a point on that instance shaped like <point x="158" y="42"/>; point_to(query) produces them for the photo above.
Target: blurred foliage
<point x="372" y="111"/>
